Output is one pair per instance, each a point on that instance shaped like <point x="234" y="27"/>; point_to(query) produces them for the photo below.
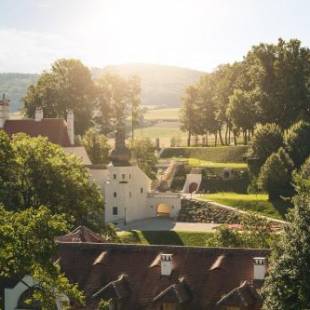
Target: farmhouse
<point x="152" y="277"/>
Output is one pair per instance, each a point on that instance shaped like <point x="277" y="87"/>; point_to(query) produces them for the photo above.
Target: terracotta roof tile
<point x="81" y="234"/>
<point x="55" y="129"/>
<point x="145" y="283"/>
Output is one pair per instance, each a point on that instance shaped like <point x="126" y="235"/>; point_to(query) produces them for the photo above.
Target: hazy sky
<point x="198" y="34"/>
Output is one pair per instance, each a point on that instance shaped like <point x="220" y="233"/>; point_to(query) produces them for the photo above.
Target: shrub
<point x="297" y="142"/>
<point x="275" y="175"/>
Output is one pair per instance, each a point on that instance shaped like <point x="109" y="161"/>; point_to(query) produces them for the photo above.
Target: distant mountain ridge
<point x="161" y="85"/>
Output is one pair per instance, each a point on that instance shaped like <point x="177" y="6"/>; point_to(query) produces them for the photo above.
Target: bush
<point x="275" y="175"/>
<point x="297" y="142"/>
<point x="216" y="154"/>
<point x="267" y="140"/>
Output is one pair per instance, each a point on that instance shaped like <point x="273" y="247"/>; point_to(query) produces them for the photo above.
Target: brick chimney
<point x="4" y="110"/>
<point x="70" y="125"/>
<point x="166" y="264"/>
<point x="38" y="114"/>
<point x="260" y="268"/>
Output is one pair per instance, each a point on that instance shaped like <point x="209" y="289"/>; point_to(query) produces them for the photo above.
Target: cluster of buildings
<point x="134" y="277"/>
<point x="128" y="276"/>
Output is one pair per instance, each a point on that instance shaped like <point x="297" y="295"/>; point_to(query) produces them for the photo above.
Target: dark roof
<point x="81" y="234"/>
<point x="200" y="276"/>
<point x="55" y="129"/>
<point x="245" y="295"/>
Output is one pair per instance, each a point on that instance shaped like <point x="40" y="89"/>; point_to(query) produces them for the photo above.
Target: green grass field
<point x="251" y="202"/>
<point x="165" y="237"/>
<point x="194" y="162"/>
<point x="163" y="114"/>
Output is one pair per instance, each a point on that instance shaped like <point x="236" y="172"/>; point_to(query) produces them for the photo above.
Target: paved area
<point x="161" y="224"/>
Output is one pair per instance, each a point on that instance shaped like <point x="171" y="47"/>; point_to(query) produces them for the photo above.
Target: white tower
<point x="70" y="125"/>
<point x="4" y="110"/>
<point x="38" y="114"/>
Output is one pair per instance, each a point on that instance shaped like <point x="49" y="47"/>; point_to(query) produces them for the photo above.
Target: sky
<point x="197" y="34"/>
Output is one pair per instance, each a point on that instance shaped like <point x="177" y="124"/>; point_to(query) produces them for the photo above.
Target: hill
<point x="161" y="85"/>
<point x="14" y="85"/>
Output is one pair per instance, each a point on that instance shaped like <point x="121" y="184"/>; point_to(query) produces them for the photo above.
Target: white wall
<point x="191" y="178"/>
<point x="169" y="198"/>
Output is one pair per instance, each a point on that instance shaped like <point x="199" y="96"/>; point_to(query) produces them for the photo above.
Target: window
<point x="130" y="194"/>
<point x="114" y="194"/>
<point x="141" y="190"/>
<point x="129" y="176"/>
<point x="114" y="176"/>
<point x="115" y="211"/>
<point x="123" y="176"/>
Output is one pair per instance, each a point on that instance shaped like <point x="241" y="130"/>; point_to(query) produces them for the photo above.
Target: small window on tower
<point x="141" y="190"/>
<point x="123" y="176"/>
<point x="114" y="176"/>
<point x="130" y="194"/>
<point x="114" y="194"/>
<point x="115" y="210"/>
<point x="129" y="176"/>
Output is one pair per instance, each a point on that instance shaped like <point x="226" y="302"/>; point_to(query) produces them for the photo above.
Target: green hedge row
<point x="217" y="154"/>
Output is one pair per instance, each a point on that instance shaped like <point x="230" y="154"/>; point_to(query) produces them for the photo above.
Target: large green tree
<point x="41" y="173"/>
<point x="287" y="285"/>
<point x="27" y="248"/>
<point x="68" y="85"/>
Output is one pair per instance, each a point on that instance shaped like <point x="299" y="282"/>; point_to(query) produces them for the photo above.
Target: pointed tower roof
<point x="120" y="155"/>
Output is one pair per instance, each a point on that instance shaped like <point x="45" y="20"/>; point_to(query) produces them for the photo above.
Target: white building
<point x="127" y="190"/>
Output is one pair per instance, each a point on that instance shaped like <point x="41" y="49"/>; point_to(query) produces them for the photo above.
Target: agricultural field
<point x="163" y="114"/>
<point x="250" y="202"/>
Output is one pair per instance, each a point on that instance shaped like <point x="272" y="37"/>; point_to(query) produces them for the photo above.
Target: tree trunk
<point x="245" y="137"/>
<point x="220" y="136"/>
<point x="226" y="135"/>
<point x="235" y="138"/>
<point x="215" y="138"/>
<point x="207" y="139"/>
<point x="189" y="138"/>
<point x="229" y="131"/>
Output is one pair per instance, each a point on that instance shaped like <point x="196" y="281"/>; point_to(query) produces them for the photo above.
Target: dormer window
<point x="115" y="194"/>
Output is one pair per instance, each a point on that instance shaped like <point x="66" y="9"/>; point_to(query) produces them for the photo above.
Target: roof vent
<point x="259" y="268"/>
<point x="166" y="264"/>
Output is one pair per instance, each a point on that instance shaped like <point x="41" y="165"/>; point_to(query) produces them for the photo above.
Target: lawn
<point x="251" y="202"/>
<point x="165" y="237"/>
<point x="194" y="162"/>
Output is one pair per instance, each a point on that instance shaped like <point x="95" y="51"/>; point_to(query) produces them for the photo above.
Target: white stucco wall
<point x="171" y="199"/>
<point x="131" y="186"/>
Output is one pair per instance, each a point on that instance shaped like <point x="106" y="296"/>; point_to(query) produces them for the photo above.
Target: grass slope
<point x="165" y="237"/>
<point x="194" y="162"/>
<point x="251" y="202"/>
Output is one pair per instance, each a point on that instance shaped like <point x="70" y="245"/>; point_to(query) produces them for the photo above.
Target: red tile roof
<point x="55" y="129"/>
<point x="81" y="234"/>
<point x="201" y="276"/>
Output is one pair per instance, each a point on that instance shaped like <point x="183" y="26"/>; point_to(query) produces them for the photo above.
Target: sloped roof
<point x="81" y="234"/>
<point x="79" y="152"/>
<point x="55" y="129"/>
<point x="245" y="295"/>
<point x="205" y="285"/>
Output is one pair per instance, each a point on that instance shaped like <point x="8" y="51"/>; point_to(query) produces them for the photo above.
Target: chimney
<point x="70" y="125"/>
<point x="260" y="267"/>
<point x="166" y="264"/>
<point x="38" y="114"/>
<point x="4" y="110"/>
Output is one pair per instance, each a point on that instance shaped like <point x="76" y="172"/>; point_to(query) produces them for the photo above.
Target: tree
<point x="297" y="142"/>
<point x="190" y="112"/>
<point x="27" y="247"/>
<point x="118" y="99"/>
<point x="144" y="153"/>
<point x="267" y="139"/>
<point x="242" y="111"/>
<point x="68" y="85"/>
<point x="275" y="175"/>
<point x="287" y="285"/>
<point x="39" y="170"/>
<point x="97" y="146"/>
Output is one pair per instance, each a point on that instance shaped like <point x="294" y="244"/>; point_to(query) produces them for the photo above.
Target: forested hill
<point x="14" y="85"/>
<point x="161" y="85"/>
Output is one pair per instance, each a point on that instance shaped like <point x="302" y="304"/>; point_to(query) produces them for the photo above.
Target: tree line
<point x="270" y="85"/>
